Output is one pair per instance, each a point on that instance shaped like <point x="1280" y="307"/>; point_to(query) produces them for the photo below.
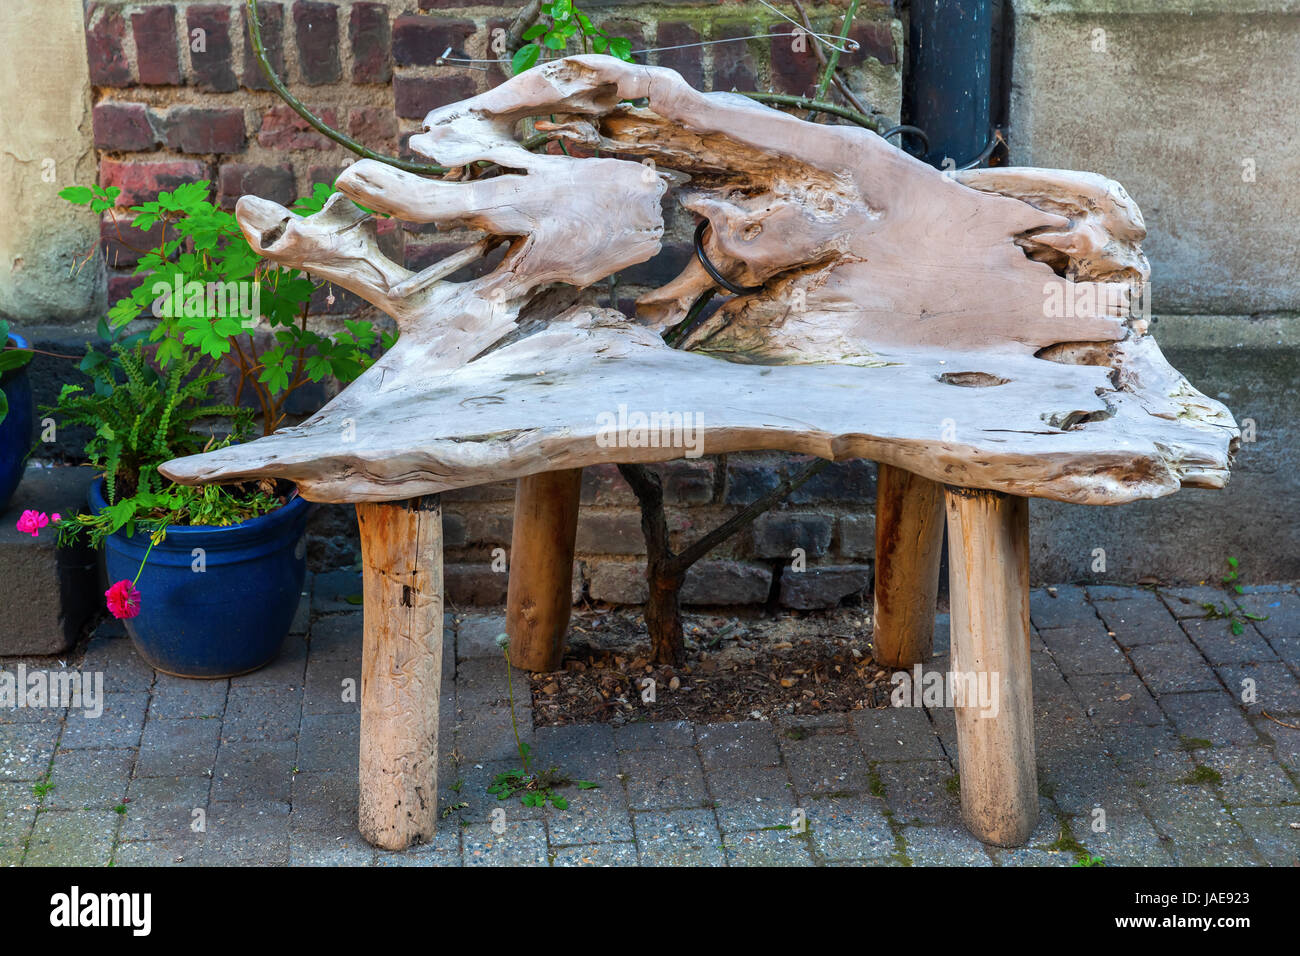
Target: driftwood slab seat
<point x="971" y="332"/>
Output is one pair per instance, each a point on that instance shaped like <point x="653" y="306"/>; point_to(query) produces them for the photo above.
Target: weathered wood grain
<point x="909" y="540"/>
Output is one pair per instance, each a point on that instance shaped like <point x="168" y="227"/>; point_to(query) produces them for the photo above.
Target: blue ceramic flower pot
<point x="16" y="429"/>
<point x="231" y="617"/>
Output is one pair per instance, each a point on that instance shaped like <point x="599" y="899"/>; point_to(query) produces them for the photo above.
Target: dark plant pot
<point x="16" y="429"/>
<point x="230" y="618"/>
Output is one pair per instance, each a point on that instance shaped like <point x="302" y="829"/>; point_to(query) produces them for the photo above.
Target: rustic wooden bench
<point x="969" y="331"/>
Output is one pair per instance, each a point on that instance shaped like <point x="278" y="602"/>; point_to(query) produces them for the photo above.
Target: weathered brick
<point x="419" y="41"/>
<point x="248" y="179"/>
<point x="211" y="66"/>
<point x="603" y="484"/>
<point x="415" y="96"/>
<point x="142" y="182"/>
<point x="474" y="584"/>
<point x="794" y="64"/>
<point x="857" y="536"/>
<point x="875" y="41"/>
<point x="420" y="255"/>
<point x="106" y="46"/>
<point x="776" y="535"/>
<point x="734" y="65"/>
<point x="123" y="127"/>
<point x="610" y="533"/>
<point x="270" y="16"/>
<point x="687" y="61"/>
<point x="316" y="29"/>
<point x="283" y="128"/>
<point x="323" y="174"/>
<point x="618" y="583"/>
<point x="687" y="482"/>
<point x="157" y="55"/>
<point x="121" y="285"/>
<point x="371" y="43"/>
<point x="123" y="244"/>
<point x="748" y="479"/>
<point x="372" y="125"/>
<point x="823" y="587"/>
<point x="726" y="582"/>
<point x="853" y="480"/>
<point x="190" y="129"/>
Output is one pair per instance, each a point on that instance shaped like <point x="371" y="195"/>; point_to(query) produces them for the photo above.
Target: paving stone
<point x="330" y="742"/>
<point x="678" y="838"/>
<point x="662" y="779"/>
<point x="849" y="828"/>
<point x="1190" y="602"/>
<point x="254" y="771"/>
<point x="593" y="816"/>
<point x="1275" y="688"/>
<point x="72" y="838"/>
<point x="17" y="813"/>
<point x="476" y="636"/>
<point x="120" y="724"/>
<point x="897" y="733"/>
<point x="1128" y="838"/>
<point x="1281" y="610"/>
<point x="748" y="743"/>
<point x="597" y="854"/>
<point x="921" y="791"/>
<point x="1030" y="856"/>
<point x="580" y="750"/>
<point x="826" y="763"/>
<point x="1221" y="646"/>
<point x="445" y="850"/>
<point x="162" y="808"/>
<point x="1069" y="607"/>
<point x="751" y="798"/>
<point x="253" y="832"/>
<point x="317" y="848"/>
<point x="257" y="713"/>
<point x="1171" y="668"/>
<point x="1275" y="832"/>
<point x="481" y="682"/>
<point x="176" y="697"/>
<point x="187" y="851"/>
<point x="766" y="848"/>
<point x="1287" y="648"/>
<point x="333" y="687"/>
<point x="1114" y="701"/>
<point x="26" y="749"/>
<point x="324" y="801"/>
<point x="474" y="780"/>
<point x="1077" y="780"/>
<point x="286" y="671"/>
<point x="89" y="779"/>
<point x="1202" y="831"/>
<point x="1112" y="592"/>
<point x="334" y="591"/>
<point x="944" y="846"/>
<point x="649" y="735"/>
<point x="522" y="844"/>
<point x="111" y="653"/>
<point x="336" y="637"/>
<point x="1150" y="756"/>
<point x="1209" y="715"/>
<point x="1084" y="649"/>
<point x="486" y="734"/>
<point x="183" y="747"/>
<point x="1140" y="619"/>
<point x="30" y="715"/>
<point x="1250" y="776"/>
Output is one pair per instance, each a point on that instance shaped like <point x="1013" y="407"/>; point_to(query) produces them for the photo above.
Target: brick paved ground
<point x="1148" y="754"/>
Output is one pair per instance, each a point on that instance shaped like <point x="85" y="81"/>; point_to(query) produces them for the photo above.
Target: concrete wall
<point x="1194" y="105"/>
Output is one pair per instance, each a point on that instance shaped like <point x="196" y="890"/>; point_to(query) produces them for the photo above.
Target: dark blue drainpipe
<point x="948" y="87"/>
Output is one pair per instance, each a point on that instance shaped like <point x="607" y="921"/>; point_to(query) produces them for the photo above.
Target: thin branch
<point x="820" y="106"/>
<point x="834" y="58"/>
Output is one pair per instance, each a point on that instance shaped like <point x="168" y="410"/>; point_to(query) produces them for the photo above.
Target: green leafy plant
<point x="563" y="22"/>
<point x="534" y="788"/>
<point x="11" y="357"/>
<point x="209" y="291"/>
<point x="1230" y="612"/>
<point x="141" y="416"/>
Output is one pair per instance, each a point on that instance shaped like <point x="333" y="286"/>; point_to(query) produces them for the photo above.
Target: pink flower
<point x="31" y="522"/>
<point x="123" y="599"/>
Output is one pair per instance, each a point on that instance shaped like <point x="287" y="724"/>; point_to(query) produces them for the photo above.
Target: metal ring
<point x="712" y="271"/>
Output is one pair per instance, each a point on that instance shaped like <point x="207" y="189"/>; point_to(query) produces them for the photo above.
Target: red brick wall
<point x="178" y="97"/>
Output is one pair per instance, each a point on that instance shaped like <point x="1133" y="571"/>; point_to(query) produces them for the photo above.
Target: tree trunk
<point x="663" y="617"/>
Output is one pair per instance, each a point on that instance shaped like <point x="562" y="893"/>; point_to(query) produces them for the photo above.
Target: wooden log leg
<point x="909" y="540"/>
<point x="401" y="670"/>
<point x="539" y="597"/>
<point x="988" y="555"/>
